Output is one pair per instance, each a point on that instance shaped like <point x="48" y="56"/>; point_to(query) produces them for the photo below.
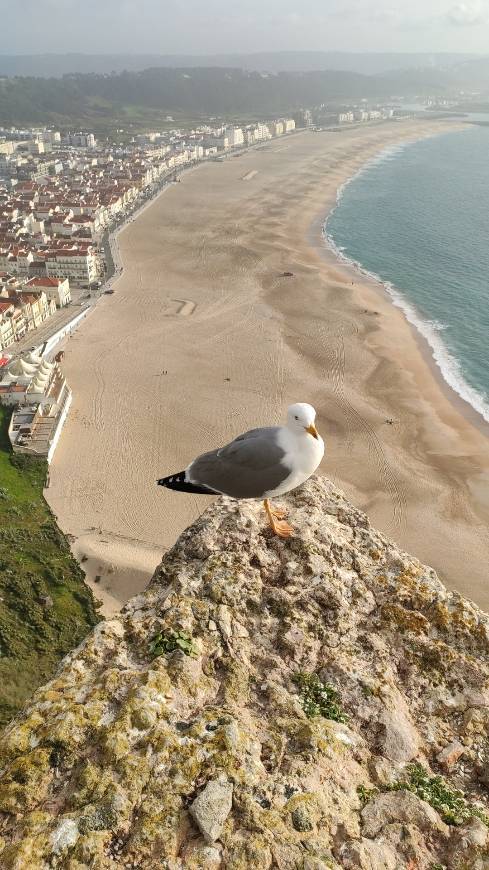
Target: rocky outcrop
<point x="321" y="702"/>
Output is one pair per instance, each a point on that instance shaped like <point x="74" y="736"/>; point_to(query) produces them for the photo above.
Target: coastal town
<point x="63" y="196"/>
<point x="61" y="199"/>
<point x="60" y="195"/>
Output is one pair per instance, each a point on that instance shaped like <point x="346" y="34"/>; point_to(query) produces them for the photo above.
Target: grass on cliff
<point x="318" y="698"/>
<point x="450" y="802"/>
<point x="45" y="607"/>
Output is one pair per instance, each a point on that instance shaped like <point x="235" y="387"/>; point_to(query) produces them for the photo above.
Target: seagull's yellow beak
<point x="312" y="430"/>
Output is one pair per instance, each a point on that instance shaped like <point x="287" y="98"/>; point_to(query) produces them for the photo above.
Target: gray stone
<point x="398" y="739"/>
<point x="64" y="836"/>
<point x="301" y="819"/>
<point x="368" y="855"/>
<point x="211" y="808"/>
<point x="467" y="844"/>
<point x="400" y="806"/>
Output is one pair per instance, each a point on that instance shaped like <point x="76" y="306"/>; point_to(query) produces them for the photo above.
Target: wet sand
<point x="204" y="338"/>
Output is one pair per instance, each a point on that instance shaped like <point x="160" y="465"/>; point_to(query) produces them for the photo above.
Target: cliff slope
<point x="45" y="606"/>
<point x="315" y="703"/>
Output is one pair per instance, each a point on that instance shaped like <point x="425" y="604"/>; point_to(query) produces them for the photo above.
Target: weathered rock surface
<point x="211" y="808"/>
<point x="204" y="756"/>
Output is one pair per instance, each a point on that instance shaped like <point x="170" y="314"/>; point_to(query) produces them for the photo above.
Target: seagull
<point x="259" y="464"/>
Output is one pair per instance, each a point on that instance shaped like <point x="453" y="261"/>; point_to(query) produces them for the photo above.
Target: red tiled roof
<point x="44" y="282"/>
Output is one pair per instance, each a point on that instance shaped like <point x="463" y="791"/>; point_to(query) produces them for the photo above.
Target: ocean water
<point x="417" y="218"/>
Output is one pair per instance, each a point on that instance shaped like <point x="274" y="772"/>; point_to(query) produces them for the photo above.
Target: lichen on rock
<point x="178" y="735"/>
<point x="211" y="808"/>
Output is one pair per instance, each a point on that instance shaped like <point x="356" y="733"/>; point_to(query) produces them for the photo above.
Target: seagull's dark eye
<point x="296" y="417"/>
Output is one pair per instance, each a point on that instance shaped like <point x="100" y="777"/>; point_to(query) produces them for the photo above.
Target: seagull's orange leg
<point x="281" y="528"/>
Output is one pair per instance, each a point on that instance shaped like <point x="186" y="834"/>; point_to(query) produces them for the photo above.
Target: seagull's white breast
<point x="303" y="454"/>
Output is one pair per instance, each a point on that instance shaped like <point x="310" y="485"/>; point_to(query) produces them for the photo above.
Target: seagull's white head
<point x="300" y="417"/>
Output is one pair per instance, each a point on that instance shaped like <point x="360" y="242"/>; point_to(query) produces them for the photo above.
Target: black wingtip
<point x="179" y="483"/>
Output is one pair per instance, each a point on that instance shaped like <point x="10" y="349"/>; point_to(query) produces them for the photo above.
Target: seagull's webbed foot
<point x="275" y="517"/>
<point x="282" y="529"/>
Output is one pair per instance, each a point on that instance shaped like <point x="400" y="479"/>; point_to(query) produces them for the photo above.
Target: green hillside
<point x="45" y="607"/>
<point x="195" y="92"/>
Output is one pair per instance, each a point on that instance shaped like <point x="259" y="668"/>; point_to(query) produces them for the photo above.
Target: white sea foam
<point x="447" y="363"/>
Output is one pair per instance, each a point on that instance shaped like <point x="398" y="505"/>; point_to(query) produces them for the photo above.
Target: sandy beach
<point x="204" y="338"/>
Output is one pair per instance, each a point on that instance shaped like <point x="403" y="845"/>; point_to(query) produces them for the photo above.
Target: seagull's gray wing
<point x="248" y="467"/>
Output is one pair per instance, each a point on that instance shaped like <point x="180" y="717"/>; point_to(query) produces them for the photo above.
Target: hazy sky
<point x="209" y="26"/>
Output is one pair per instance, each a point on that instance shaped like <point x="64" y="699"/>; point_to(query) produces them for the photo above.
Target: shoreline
<point x="399" y="299"/>
<point x="142" y="405"/>
<point x="319" y="238"/>
<point x="353" y="268"/>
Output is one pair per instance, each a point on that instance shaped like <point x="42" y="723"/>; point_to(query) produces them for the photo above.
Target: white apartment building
<point x="36" y="147"/>
<point x="277" y="128"/>
<point x="81" y="268"/>
<point x="54" y="288"/>
<point x="7" y="333"/>
<point x="234" y="136"/>
<point x="261" y="132"/>
<point x="80" y="140"/>
<point x="219" y="142"/>
<point x="53" y="137"/>
<point x="17" y="263"/>
<point x="195" y="152"/>
<point x="61" y="225"/>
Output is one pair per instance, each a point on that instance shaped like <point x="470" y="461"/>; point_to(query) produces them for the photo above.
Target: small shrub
<point x="366" y="794"/>
<point x="163" y="643"/>
<point x="435" y="790"/>
<point x="318" y="698"/>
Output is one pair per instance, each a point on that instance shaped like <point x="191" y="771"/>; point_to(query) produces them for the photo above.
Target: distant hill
<point x="471" y="73"/>
<point x="107" y="100"/>
<point x="193" y="92"/>
<point x="367" y="63"/>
